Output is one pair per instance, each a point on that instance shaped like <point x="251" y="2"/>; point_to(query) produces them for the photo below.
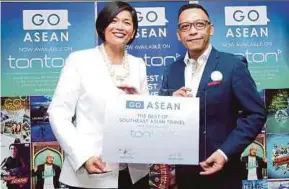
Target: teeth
<point x="119" y="34"/>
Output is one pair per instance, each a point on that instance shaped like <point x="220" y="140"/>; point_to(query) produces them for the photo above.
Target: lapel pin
<point x="216" y="76"/>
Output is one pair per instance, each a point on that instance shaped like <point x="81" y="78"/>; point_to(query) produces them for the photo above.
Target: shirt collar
<point x="202" y="59"/>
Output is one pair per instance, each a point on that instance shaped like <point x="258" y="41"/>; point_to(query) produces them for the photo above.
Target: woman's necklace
<point x="117" y="73"/>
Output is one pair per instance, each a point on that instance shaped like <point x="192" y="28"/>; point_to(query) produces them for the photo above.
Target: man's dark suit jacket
<point x="40" y="172"/>
<point x="221" y="127"/>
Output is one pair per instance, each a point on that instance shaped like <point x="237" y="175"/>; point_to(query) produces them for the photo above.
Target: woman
<point x="13" y="127"/>
<point x="87" y="81"/>
<point x="18" y="128"/>
<point x="14" y="166"/>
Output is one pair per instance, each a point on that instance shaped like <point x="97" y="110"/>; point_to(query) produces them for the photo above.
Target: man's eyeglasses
<point x="198" y="25"/>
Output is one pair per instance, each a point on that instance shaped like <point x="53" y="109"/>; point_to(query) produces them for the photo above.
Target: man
<point x="225" y="88"/>
<point x="47" y="174"/>
<point x="253" y="165"/>
<point x="13" y="167"/>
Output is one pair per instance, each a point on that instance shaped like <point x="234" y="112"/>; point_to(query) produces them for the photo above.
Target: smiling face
<point x="120" y="31"/>
<point x="195" y="40"/>
<point x="253" y="151"/>
<point x="49" y="159"/>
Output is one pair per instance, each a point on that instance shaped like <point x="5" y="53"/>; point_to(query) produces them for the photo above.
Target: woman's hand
<point x="95" y="165"/>
<point x="128" y="89"/>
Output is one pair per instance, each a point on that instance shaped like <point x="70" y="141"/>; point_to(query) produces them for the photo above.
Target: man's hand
<point x="95" y="165"/>
<point x="183" y="92"/>
<point x="213" y="164"/>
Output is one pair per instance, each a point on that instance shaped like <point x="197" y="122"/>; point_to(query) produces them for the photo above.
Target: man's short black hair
<point x="109" y="12"/>
<point x="13" y="144"/>
<point x="193" y="6"/>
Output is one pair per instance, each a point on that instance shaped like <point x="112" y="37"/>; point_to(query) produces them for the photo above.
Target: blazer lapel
<point x="209" y="68"/>
<point x="177" y="73"/>
<point x="181" y="72"/>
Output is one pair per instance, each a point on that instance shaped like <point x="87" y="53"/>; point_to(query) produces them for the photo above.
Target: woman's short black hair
<point x="109" y="12"/>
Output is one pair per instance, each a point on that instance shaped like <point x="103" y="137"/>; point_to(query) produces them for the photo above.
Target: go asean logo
<point x="151" y="16"/>
<point x="131" y="104"/>
<point x="157" y="105"/>
<point x="246" y="15"/>
<point x="45" y="19"/>
<point x="152" y="22"/>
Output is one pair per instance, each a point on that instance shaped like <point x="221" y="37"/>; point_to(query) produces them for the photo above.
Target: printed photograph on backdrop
<point x="255" y="184"/>
<point x="40" y="126"/>
<point x="47" y="159"/>
<point x="278" y="184"/>
<point x="254" y="160"/>
<point x="15" y="165"/>
<point x="15" y="118"/>
<point x="277" y="104"/>
<point x="277" y="155"/>
<point x="160" y="177"/>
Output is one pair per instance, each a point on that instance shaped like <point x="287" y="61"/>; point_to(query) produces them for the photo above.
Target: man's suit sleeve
<point x="254" y="116"/>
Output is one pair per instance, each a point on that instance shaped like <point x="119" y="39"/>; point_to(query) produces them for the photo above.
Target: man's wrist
<point x="223" y="154"/>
